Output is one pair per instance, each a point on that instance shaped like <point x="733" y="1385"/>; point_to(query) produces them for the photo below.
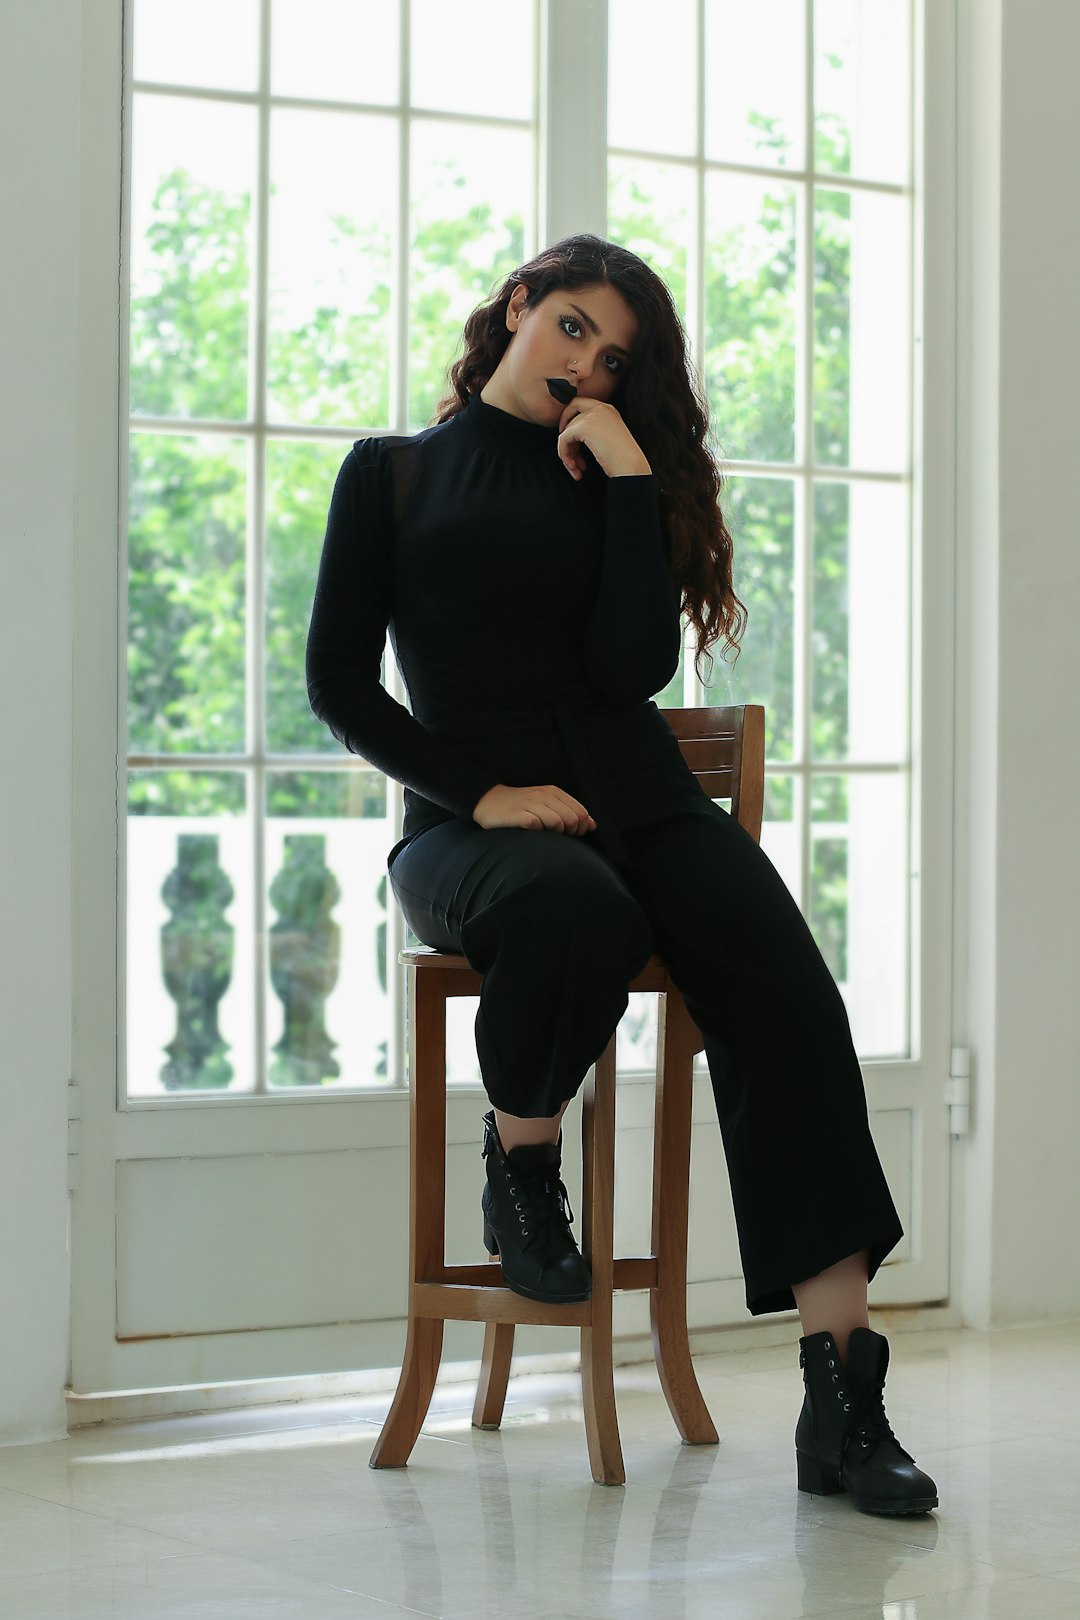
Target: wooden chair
<point x="725" y="749"/>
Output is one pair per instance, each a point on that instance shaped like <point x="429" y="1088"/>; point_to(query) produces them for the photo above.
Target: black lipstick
<point x="560" y="389"/>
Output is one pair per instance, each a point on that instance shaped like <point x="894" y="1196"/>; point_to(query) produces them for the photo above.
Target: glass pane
<point x="473" y="192"/>
<point x="650" y="211"/>
<point x="862" y="330"/>
<point x="673" y="696"/>
<point x="635" y="1038"/>
<point x="186" y="598"/>
<point x="190" y="938"/>
<point x="780" y="824"/>
<point x="462" y="1063"/>
<point x="335" y="50"/>
<point x="861" y="622"/>
<point x="467" y="60"/>
<point x="828" y="871"/>
<point x="859" y="902"/>
<point x="760" y="516"/>
<point x="328" y="1013"/>
<point x="170" y="43"/>
<point x="332" y="207"/>
<point x="862" y="91"/>
<point x="299" y="483"/>
<point x="750" y="316"/>
<point x="755" y="95"/>
<point x="193" y="171"/>
<point x="652" y="76"/>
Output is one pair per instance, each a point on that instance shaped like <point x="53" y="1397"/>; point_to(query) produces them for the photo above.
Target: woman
<point x="562" y="514"/>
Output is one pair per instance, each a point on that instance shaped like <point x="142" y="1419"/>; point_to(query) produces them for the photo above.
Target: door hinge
<point x="958" y="1091"/>
<point x="74" y="1143"/>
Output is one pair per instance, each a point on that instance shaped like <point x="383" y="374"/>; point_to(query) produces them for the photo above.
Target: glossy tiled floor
<point x="275" y="1513"/>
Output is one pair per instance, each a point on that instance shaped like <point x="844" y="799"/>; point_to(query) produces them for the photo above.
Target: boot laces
<point x="541" y="1201"/>
<point x="544" y="1204"/>
<point x="870" y="1426"/>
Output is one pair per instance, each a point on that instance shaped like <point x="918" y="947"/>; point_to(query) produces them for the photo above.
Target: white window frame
<point x="570" y="113"/>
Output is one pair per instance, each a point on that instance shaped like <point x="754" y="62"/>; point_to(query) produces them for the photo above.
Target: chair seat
<point x="653" y="976"/>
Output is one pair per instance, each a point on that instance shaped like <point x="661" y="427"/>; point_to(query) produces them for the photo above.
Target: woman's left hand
<point x="596" y="423"/>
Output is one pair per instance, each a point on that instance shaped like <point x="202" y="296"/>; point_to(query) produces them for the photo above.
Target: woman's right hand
<point x="539" y="808"/>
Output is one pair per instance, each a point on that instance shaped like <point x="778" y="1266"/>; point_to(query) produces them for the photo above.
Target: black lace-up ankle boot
<point x="527" y="1219"/>
<point x="843" y="1441"/>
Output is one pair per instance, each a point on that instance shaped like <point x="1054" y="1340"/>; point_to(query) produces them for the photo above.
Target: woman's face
<point x="584" y="334"/>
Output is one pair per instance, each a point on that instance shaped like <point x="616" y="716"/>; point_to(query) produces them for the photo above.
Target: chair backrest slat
<point x="724" y="746"/>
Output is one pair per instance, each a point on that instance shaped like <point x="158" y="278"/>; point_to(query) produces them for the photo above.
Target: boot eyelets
<point x="832" y="1363"/>
<point x="836" y="1378"/>
<point x="847" y="1408"/>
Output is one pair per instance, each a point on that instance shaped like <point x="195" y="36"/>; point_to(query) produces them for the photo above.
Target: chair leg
<point x="678" y="1041"/>
<point x="678" y="1380"/>
<point x="494" y="1372"/>
<point x="420" y="1368"/>
<point x="427" y="1214"/>
<point x="598" y="1186"/>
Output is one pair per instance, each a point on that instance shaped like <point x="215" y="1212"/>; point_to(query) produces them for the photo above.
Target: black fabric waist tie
<point x="557" y="714"/>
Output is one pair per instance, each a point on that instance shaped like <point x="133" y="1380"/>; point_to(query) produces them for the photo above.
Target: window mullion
<point x="803" y="560"/>
<point x="256" y="596"/>
<point x="573" y="119"/>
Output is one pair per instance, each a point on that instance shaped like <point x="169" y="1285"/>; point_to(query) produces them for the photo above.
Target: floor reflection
<point x="275" y="1509"/>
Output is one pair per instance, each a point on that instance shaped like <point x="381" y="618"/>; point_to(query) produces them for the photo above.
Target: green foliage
<point x="300" y="476"/>
<point x="186" y="596"/>
<point x="447" y="284"/>
<point x="189" y="316"/>
<point x="334" y="369"/>
<point x="829" y="709"/>
<point x="760" y="513"/>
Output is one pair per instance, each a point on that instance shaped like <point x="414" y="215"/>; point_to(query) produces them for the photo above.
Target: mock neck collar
<point x="503" y="431"/>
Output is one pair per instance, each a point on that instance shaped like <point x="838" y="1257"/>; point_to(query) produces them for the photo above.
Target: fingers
<point x="556" y="811"/>
<point x="537" y="809"/>
<point x="569" y="445"/>
<point x="570" y="460"/>
<point x="573" y="816"/>
<point x="553" y="821"/>
<point x="574" y="464"/>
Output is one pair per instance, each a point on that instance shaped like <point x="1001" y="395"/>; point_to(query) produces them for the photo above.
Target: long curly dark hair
<point x="662" y="403"/>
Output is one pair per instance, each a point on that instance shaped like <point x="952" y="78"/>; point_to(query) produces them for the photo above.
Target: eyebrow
<point x="617" y="348"/>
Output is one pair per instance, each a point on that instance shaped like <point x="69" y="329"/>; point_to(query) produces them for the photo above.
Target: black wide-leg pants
<point x="558" y="930"/>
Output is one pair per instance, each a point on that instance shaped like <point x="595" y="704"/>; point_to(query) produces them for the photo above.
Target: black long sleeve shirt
<point x="532" y="616"/>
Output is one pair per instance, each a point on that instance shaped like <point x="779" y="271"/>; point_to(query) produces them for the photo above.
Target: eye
<point x="567" y="321"/>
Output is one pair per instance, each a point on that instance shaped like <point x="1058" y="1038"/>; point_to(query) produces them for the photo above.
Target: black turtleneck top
<point x="532" y="616"/>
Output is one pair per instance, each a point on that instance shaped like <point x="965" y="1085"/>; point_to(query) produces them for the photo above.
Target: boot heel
<point x="815" y="1477"/>
<point x="491" y="1242"/>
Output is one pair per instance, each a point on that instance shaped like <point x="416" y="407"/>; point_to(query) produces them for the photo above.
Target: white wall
<point x="1019" y="596"/>
<point x="39" y="266"/>
<point x="977" y="718"/>
<point x="1022" y="348"/>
